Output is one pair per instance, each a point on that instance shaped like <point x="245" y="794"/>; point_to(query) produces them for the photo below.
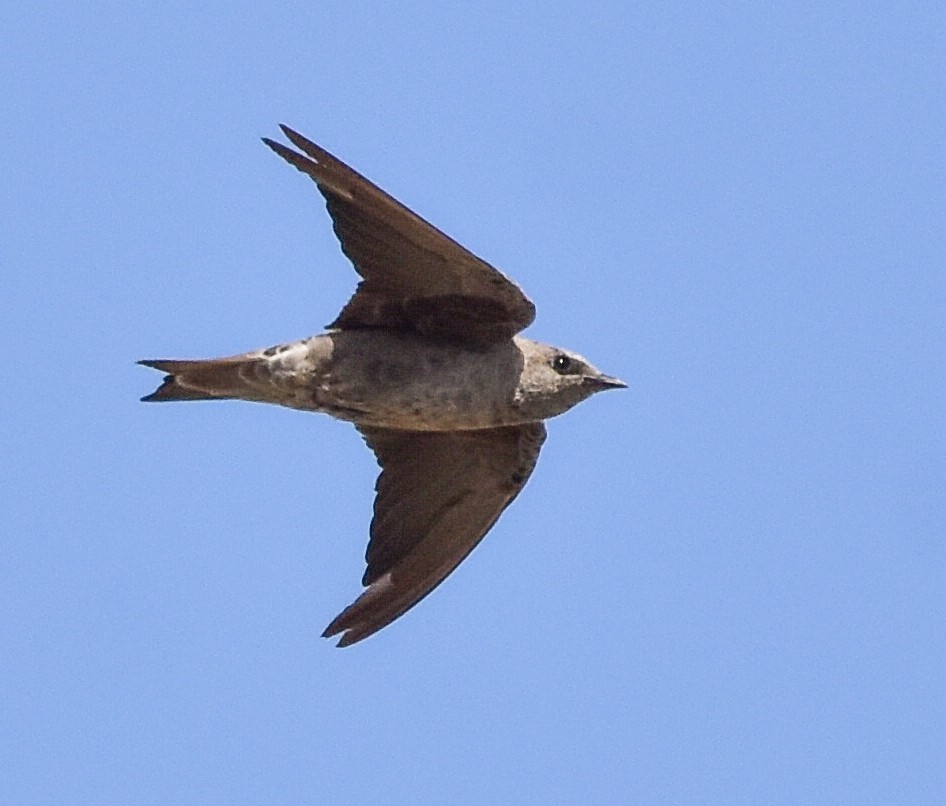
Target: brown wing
<point x="438" y="494"/>
<point x="415" y="277"/>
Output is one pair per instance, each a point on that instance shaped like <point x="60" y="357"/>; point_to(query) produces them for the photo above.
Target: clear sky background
<point x="726" y="584"/>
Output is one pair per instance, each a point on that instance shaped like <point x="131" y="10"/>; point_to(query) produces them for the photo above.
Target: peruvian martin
<point x="426" y="362"/>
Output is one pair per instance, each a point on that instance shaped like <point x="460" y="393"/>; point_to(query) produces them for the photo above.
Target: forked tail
<point x="213" y="379"/>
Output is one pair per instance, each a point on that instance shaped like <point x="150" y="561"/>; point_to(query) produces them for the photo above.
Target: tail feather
<point x="214" y="379"/>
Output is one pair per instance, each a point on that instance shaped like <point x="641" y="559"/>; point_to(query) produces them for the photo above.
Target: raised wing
<point x="439" y="493"/>
<point x="415" y="277"/>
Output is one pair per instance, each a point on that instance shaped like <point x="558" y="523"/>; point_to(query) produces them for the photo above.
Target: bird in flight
<point x="426" y="361"/>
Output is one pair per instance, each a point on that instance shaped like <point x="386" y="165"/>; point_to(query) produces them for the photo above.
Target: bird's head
<point x="553" y="379"/>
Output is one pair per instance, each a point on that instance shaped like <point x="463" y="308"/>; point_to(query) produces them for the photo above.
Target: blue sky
<point x="726" y="584"/>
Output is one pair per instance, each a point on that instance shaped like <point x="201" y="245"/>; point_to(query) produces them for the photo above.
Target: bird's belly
<point x="422" y="406"/>
<point x="415" y="385"/>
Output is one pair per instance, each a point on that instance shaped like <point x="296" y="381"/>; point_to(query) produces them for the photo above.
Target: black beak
<point x="601" y="382"/>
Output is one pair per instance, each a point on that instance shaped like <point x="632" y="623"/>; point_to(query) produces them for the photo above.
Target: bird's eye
<point x="562" y="364"/>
